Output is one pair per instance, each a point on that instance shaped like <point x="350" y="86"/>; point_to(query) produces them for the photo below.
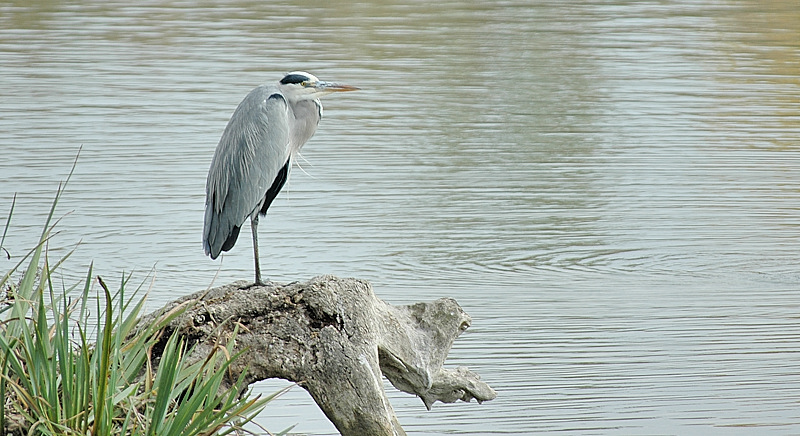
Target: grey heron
<point x="254" y="156"/>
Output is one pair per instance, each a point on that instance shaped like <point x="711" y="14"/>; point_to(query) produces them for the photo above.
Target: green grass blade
<point x="5" y="229"/>
<point x="164" y="383"/>
<point x="101" y="415"/>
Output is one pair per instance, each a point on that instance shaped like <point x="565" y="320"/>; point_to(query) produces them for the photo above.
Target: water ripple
<point x="608" y="188"/>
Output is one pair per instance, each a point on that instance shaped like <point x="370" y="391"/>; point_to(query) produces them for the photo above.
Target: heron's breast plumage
<point x="304" y="117"/>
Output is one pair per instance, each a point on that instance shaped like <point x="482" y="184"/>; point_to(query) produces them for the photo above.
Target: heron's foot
<point x="259" y="282"/>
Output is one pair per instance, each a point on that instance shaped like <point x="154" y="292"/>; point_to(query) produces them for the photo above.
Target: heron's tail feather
<point x="231" y="241"/>
<point x="214" y="249"/>
<point x="219" y="233"/>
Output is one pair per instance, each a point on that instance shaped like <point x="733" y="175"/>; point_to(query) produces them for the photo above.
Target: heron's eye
<point x="304" y="84"/>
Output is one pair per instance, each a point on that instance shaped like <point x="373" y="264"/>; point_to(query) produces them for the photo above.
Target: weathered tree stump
<point x="334" y="337"/>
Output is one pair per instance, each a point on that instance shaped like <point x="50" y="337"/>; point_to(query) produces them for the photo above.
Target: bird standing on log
<point x="254" y="156"/>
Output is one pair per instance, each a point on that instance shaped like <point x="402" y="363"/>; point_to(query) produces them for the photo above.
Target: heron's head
<point x="304" y="86"/>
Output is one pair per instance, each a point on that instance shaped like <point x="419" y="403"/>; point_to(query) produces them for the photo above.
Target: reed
<point x="64" y="371"/>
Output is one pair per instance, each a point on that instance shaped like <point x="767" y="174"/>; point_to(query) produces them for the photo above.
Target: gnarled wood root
<point x="335" y="338"/>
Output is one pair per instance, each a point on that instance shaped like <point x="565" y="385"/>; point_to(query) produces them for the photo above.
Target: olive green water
<point x="610" y="189"/>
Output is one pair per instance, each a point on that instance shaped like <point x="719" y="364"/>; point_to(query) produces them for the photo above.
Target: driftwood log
<point x="335" y="338"/>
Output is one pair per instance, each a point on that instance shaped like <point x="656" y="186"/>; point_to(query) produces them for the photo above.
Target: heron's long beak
<point x="334" y="87"/>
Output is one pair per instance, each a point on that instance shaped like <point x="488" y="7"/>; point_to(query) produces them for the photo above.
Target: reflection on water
<point x="609" y="189"/>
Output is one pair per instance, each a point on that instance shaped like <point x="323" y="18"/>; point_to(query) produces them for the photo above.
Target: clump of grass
<point x="64" y="372"/>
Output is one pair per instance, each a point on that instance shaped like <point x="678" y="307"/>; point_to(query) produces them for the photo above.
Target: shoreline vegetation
<point x="71" y="362"/>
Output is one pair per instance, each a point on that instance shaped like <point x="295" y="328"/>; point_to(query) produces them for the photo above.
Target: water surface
<point x="609" y="189"/>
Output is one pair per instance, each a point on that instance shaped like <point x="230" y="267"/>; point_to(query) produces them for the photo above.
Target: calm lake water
<point x="610" y="189"/>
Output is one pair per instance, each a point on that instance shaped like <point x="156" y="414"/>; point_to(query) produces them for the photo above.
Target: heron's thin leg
<point x="254" y="227"/>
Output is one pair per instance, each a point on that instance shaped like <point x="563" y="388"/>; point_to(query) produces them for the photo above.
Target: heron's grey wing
<point x="252" y="151"/>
